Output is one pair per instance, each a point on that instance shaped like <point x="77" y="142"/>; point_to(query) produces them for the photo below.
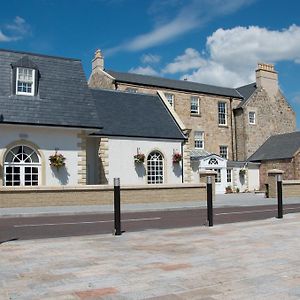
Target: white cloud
<point x="191" y="59"/>
<point x="14" y="31"/>
<point x="190" y="15"/>
<point x="231" y="55"/>
<point x="144" y="71"/>
<point x="150" y="59"/>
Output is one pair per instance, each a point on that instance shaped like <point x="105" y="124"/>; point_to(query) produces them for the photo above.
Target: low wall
<point x="291" y="188"/>
<point x="97" y="195"/>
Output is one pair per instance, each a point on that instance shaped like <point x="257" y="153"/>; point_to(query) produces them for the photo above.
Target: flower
<point x="242" y="171"/>
<point x="57" y="160"/>
<point x="177" y="157"/>
<point x="139" y="158"/>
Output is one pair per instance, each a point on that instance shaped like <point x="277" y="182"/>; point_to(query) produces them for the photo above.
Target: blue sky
<point x="210" y="41"/>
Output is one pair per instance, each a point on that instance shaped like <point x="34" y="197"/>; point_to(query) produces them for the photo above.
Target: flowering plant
<point x="242" y="171"/>
<point x="177" y="157"/>
<point x="139" y="158"/>
<point x="57" y="160"/>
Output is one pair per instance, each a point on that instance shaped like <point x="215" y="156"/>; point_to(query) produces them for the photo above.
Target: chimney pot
<point x="98" y="61"/>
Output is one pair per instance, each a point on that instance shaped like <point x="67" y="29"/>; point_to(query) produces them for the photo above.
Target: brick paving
<point x="251" y="260"/>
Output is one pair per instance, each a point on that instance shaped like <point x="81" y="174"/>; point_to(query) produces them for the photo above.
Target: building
<point x="232" y="123"/>
<point x="55" y="130"/>
<point x="279" y="152"/>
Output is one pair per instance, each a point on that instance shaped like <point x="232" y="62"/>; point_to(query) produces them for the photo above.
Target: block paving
<point x="251" y="260"/>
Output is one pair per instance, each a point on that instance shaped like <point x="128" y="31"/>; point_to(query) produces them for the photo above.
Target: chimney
<point x="98" y="61"/>
<point x="267" y="78"/>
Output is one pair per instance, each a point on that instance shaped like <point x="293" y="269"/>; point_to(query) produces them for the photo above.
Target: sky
<point x="216" y="42"/>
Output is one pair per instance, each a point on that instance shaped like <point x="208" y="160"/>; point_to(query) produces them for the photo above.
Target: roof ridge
<point x="171" y="79"/>
<point x="121" y="92"/>
<point x="38" y="54"/>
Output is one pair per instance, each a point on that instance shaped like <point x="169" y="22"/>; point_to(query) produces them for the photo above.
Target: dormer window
<point x="25" y="81"/>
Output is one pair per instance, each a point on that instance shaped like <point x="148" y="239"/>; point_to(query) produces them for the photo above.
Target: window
<point x="195" y="105"/>
<point x="229" y="176"/>
<point x="218" y="175"/>
<point x="222" y="113"/>
<point x="199" y="139"/>
<point x="25" y="81"/>
<point x="213" y="161"/>
<point x="131" y="90"/>
<point x="155" y="168"/>
<point x="170" y="98"/>
<point x="251" y="117"/>
<point x="21" y="167"/>
<point x="224" y="151"/>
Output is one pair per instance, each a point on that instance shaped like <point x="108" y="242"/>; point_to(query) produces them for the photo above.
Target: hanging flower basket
<point x="139" y="158"/>
<point x="242" y="172"/>
<point x="177" y="157"/>
<point x="57" y="160"/>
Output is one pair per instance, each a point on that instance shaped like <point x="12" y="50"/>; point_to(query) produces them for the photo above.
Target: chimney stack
<point x="267" y="78"/>
<point x="98" y="61"/>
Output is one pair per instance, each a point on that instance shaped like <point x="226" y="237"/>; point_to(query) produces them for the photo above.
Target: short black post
<point x="279" y="196"/>
<point x="117" y="207"/>
<point x="209" y="201"/>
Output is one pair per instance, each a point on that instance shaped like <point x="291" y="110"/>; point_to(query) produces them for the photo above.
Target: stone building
<point x="279" y="152"/>
<point x="232" y="123"/>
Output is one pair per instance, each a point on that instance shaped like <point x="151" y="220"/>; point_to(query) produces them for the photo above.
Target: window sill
<point x="223" y="126"/>
<point x="195" y="115"/>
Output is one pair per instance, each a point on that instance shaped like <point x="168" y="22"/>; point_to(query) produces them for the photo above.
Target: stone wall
<point x="273" y="116"/>
<point x="285" y="165"/>
<point x="98" y="195"/>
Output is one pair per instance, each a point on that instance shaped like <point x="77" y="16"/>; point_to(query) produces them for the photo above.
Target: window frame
<point x="229" y="175"/>
<point x="254" y="117"/>
<point x="131" y="90"/>
<point x="222" y="114"/>
<point x="172" y="97"/>
<point x="222" y="147"/>
<point x="199" y="140"/>
<point x="157" y="169"/>
<point x="32" y="82"/>
<point x="195" y="112"/>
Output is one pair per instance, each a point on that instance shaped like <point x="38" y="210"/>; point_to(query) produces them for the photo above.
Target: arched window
<point x="21" y="167"/>
<point x="155" y="168"/>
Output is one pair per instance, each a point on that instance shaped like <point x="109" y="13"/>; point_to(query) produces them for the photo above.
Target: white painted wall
<point x="47" y="139"/>
<point x="121" y="161"/>
<point x="253" y="178"/>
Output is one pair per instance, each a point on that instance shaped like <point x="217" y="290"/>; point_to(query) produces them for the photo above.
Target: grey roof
<point x="246" y="91"/>
<point x="174" y="84"/>
<point x="135" y="115"/>
<point x="197" y="154"/>
<point x="280" y="146"/>
<point x="240" y="164"/>
<point x="63" y="97"/>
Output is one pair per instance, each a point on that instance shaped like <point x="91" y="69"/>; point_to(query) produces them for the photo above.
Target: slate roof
<point x="134" y="115"/>
<point x="280" y="146"/>
<point x="174" y="84"/>
<point x="63" y="98"/>
<point x="246" y="91"/>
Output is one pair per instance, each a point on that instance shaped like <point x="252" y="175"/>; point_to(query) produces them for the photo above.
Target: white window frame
<point x="252" y="119"/>
<point x="222" y="153"/>
<point x="170" y="98"/>
<point x="196" y="103"/>
<point x="155" y="168"/>
<point x="199" y="139"/>
<point x="222" y="113"/>
<point x="229" y="175"/>
<point x="32" y="82"/>
<point x="22" y="165"/>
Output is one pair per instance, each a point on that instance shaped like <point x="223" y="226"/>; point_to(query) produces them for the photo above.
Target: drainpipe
<point x="182" y="179"/>
<point x="232" y="133"/>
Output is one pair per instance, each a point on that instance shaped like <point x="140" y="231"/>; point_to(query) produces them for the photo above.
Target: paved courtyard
<point x="253" y="260"/>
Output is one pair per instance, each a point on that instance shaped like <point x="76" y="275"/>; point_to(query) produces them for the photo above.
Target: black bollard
<point x="209" y="201"/>
<point x="279" y="196"/>
<point x="117" y="207"/>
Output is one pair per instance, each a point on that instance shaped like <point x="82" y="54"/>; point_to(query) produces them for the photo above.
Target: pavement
<point x="251" y="260"/>
<point x="227" y="200"/>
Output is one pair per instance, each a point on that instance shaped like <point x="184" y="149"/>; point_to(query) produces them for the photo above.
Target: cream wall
<point x="46" y="140"/>
<point x="121" y="162"/>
